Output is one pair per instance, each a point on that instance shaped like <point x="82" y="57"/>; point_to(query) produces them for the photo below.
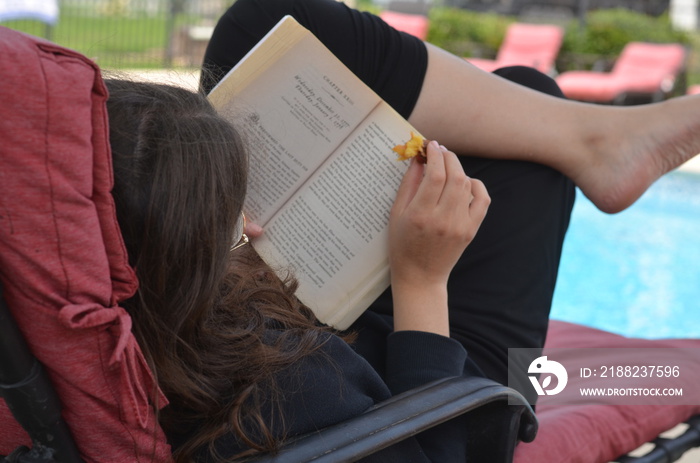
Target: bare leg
<point x="612" y="153"/>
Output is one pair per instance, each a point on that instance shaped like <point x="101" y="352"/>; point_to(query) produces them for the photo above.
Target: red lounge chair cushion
<point x="534" y="45"/>
<point x="599" y="433"/>
<point x="641" y="68"/>
<point x="63" y="264"/>
<point x="414" y="24"/>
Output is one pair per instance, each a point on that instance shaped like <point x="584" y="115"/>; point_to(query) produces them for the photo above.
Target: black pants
<point x="500" y="291"/>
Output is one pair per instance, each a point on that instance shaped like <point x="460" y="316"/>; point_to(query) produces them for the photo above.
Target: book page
<point x="335" y="228"/>
<point x="294" y="103"/>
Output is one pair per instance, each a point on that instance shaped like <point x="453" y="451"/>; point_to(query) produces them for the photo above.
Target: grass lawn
<point x="112" y="41"/>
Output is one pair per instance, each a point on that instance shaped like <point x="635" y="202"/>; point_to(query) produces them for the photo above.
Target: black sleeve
<point x="337" y="375"/>
<point x="407" y="359"/>
<point x="392" y="63"/>
<point x="338" y="384"/>
<point x="324" y="388"/>
<point x="415" y="358"/>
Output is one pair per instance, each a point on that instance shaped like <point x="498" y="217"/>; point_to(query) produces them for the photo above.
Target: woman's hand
<point x="437" y="212"/>
<point x="253" y="230"/>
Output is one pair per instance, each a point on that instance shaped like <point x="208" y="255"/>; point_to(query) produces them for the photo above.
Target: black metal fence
<point x="121" y="34"/>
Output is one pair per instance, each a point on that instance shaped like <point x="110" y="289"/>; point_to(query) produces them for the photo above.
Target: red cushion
<point x="63" y="264"/>
<point x="414" y="24"/>
<point x="534" y="45"/>
<point x="590" y="433"/>
<point x="641" y="67"/>
<point x="590" y="85"/>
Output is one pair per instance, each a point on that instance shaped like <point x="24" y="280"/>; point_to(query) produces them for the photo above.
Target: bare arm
<point x="427" y="237"/>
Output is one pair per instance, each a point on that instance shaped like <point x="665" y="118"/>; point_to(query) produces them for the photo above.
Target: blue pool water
<point x="635" y="273"/>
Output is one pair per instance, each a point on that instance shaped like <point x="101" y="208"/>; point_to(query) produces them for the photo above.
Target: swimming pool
<point x="635" y="273"/>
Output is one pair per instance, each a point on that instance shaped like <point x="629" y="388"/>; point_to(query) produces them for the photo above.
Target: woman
<point x="501" y="289"/>
<point x="241" y="361"/>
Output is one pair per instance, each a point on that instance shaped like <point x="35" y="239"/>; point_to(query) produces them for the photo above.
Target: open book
<point x="323" y="176"/>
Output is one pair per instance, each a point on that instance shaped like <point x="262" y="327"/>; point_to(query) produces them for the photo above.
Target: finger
<point x="253" y="230"/>
<point x="457" y="191"/>
<point x="480" y="204"/>
<point x="434" y="178"/>
<point x="409" y="185"/>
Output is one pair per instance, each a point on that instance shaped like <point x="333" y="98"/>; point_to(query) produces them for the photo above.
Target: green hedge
<point x="459" y="30"/>
<point x="607" y="31"/>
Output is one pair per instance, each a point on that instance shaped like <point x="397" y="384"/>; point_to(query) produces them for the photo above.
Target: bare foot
<point x="645" y="143"/>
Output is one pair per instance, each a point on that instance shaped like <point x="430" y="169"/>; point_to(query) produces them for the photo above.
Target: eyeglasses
<point x="240" y="231"/>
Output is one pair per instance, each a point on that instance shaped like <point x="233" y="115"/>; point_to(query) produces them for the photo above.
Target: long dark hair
<point x="202" y="314"/>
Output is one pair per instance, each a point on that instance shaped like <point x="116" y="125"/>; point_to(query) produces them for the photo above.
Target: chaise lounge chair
<point x="64" y="270"/>
<point x="414" y="24"/>
<point x="643" y="70"/>
<point x="593" y="431"/>
<point x="534" y="45"/>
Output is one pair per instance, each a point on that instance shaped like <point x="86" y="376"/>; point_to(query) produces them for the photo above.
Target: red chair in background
<point x="642" y="70"/>
<point x="414" y="24"/>
<point x="534" y="45"/>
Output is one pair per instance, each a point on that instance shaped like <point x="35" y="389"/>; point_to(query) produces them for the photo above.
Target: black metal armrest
<point x="499" y="418"/>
